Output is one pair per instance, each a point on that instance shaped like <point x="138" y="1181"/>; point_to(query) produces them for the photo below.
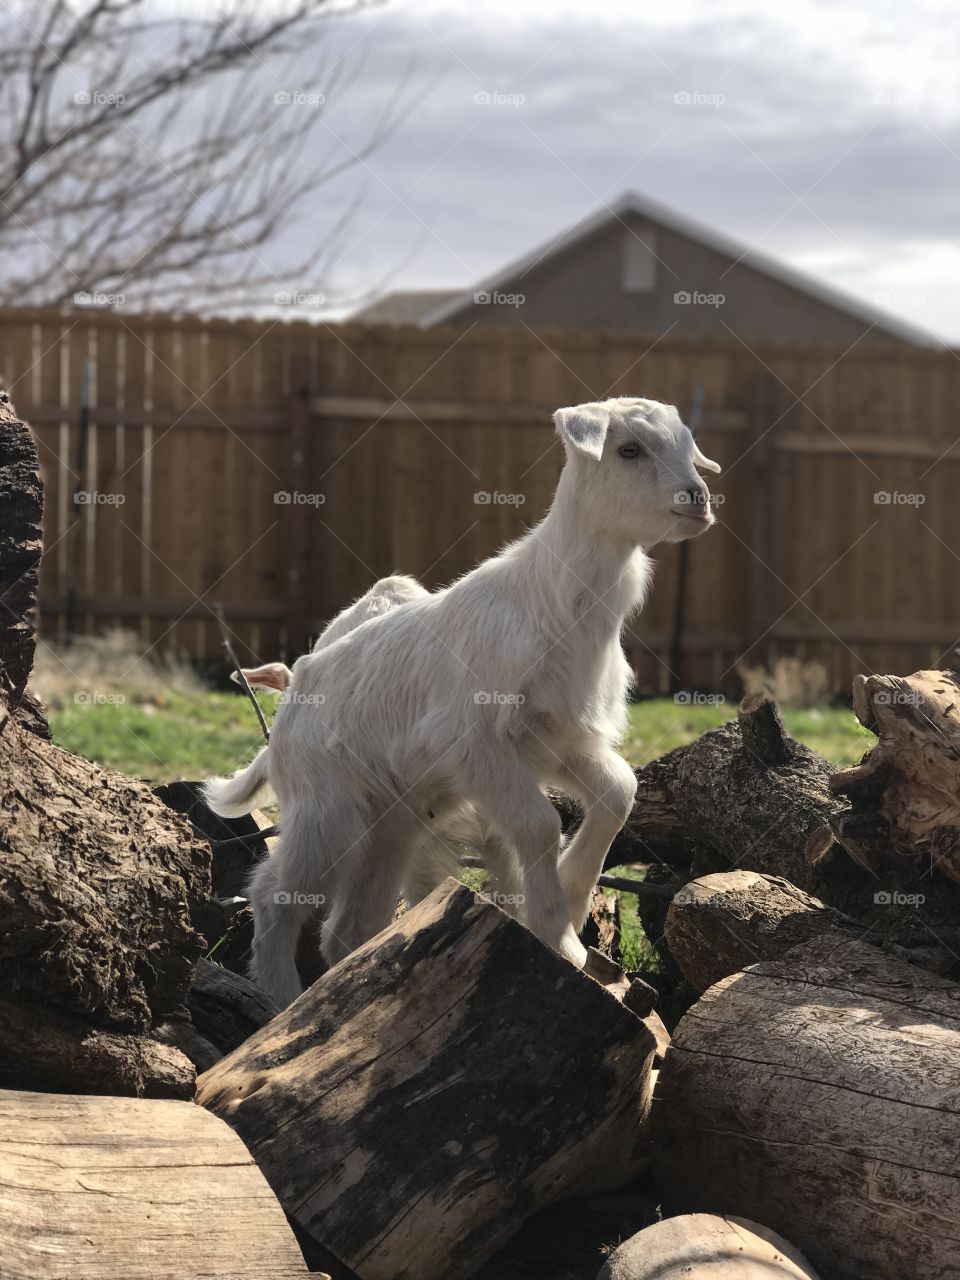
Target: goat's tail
<point x="233" y="797"/>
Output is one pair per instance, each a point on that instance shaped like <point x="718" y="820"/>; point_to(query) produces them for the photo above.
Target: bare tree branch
<point x="162" y="159"/>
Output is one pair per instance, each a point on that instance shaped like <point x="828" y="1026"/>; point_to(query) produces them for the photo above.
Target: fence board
<point x="191" y="427"/>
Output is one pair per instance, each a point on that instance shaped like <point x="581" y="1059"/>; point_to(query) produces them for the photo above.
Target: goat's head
<point x="632" y="467"/>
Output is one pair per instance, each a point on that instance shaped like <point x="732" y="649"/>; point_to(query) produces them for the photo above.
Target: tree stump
<point x="820" y="1094"/>
<point x="21" y="512"/>
<point x="905" y="793"/>
<point x="98" y="878"/>
<point x="703" y="1246"/>
<point x="437" y="1087"/>
<point x="129" y="1189"/>
<point x="748" y="796"/>
<point x="720" y="924"/>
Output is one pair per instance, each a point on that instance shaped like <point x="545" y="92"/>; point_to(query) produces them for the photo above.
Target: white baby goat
<point x="511" y="679"/>
<point x="383" y="596"/>
<point x="437" y="850"/>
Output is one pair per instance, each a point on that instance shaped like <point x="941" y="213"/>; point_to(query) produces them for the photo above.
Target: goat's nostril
<point x="698" y="497"/>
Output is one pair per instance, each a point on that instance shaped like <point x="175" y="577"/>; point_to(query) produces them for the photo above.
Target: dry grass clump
<point x="791" y="681"/>
<point x="113" y="667"/>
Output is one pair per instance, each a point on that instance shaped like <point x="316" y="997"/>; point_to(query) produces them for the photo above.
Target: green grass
<point x="181" y="735"/>
<point x="660" y="724"/>
<point x="196" y="734"/>
<point x="176" y="735"/>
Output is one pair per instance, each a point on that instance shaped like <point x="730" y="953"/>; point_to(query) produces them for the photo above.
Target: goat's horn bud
<point x="706" y="464"/>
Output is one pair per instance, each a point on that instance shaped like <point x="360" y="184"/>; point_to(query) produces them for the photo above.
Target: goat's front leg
<point x="606" y="786"/>
<point x="507" y="794"/>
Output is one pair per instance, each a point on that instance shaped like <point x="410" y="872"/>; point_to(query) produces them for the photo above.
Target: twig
<point x="225" y="637"/>
<point x="254" y="838"/>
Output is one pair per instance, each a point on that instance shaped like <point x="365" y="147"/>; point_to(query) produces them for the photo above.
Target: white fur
<point x="466" y="703"/>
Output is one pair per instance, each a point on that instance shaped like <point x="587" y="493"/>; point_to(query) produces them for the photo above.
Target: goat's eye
<point x="632" y="450"/>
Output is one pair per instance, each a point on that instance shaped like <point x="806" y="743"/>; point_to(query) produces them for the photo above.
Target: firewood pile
<point x="453" y="1100"/>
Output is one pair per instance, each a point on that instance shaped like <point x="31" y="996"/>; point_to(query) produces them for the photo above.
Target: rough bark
<point x="720" y="924"/>
<point x="904" y="796"/>
<point x="97" y="881"/>
<point x="820" y="1094"/>
<point x="21" y="512"/>
<point x="63" y="1054"/>
<point x="704" y="1244"/>
<point x="103" y="1188"/>
<point x="455" y="1035"/>
<point x="751" y="797"/>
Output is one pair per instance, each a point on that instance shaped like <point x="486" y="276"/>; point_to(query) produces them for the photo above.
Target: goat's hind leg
<point x="282" y="904"/>
<point x="509" y="796"/>
<point x="367" y="878"/>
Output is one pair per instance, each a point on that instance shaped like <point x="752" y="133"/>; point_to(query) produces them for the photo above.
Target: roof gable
<point x="634" y="204"/>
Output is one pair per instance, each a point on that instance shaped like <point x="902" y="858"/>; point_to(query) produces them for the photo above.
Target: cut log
<point x="749" y="796"/>
<point x="111" y="1188"/>
<point x="820" y="1094"/>
<point x="745" y="789"/>
<point x="231" y="865"/>
<point x="21" y="511"/>
<point x="98" y="877"/>
<point x="435" y="1088"/>
<point x="65" y="1054"/>
<point x="704" y="1246"/>
<point x="720" y="924"/>
<point x="904" y="794"/>
<point x="225" y="1008"/>
<point x="97" y="884"/>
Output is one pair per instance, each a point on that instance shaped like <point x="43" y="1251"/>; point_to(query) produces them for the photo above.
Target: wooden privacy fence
<point x="280" y="468"/>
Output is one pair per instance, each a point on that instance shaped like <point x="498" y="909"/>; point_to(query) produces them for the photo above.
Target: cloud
<point x="821" y="134"/>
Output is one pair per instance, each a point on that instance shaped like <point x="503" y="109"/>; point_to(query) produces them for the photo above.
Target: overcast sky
<point x="825" y="134"/>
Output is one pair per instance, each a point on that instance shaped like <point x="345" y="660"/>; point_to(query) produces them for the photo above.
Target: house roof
<point x="631" y="203"/>
<point x="404" y="306"/>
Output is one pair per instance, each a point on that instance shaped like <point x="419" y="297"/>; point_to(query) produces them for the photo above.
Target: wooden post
<point x="299" y="479"/>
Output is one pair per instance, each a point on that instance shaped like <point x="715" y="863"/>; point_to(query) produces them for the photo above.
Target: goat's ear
<point x="584" y="428"/>
<point x="703" y="462"/>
